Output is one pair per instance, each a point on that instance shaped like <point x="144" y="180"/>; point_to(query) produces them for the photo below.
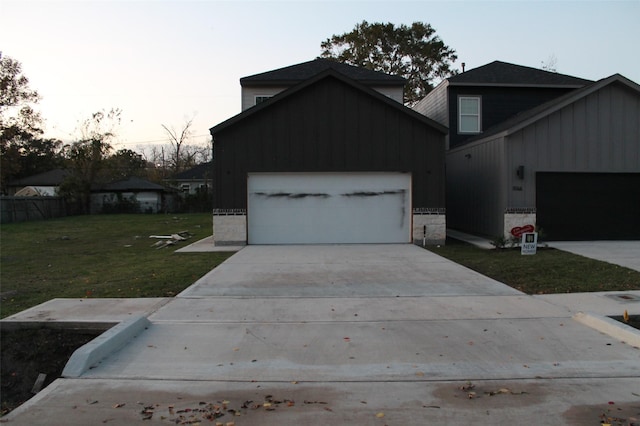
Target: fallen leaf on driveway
<point x="380" y="415"/>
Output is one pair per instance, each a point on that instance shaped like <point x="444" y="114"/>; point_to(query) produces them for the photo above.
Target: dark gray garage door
<point x="588" y="206"/>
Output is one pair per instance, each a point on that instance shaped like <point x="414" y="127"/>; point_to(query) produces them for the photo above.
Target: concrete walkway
<point x="623" y="253"/>
<point x="356" y="334"/>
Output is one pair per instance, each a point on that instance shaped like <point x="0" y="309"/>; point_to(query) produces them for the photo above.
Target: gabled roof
<point x="328" y="73"/>
<point x="199" y="172"/>
<point x="51" y="178"/>
<point x="131" y="184"/>
<point x="532" y="115"/>
<point x="296" y="73"/>
<point x="499" y="73"/>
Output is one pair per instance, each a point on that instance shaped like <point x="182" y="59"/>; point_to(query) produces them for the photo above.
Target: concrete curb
<point x="104" y="345"/>
<point x="611" y="327"/>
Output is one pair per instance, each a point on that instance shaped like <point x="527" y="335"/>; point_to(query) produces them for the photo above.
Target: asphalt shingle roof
<point x="303" y="71"/>
<point x="132" y="184"/>
<point x="499" y="73"/>
<point x="51" y="178"/>
<point x="198" y="172"/>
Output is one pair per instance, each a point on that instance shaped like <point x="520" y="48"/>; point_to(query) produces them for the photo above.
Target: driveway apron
<point x="352" y="334"/>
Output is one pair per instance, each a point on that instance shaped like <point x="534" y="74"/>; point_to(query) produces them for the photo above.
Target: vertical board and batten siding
<point x="329" y="126"/>
<point x="434" y="105"/>
<point x="475" y="188"/>
<point x="498" y="104"/>
<point x="396" y="93"/>
<point x="599" y="133"/>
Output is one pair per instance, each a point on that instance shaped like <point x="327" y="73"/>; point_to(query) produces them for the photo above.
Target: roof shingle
<point x="499" y="73"/>
<point x="303" y="71"/>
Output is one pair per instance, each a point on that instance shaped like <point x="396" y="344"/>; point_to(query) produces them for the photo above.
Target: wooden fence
<point x="23" y="209"/>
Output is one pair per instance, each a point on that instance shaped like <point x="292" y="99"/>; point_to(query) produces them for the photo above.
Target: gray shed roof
<point x="51" y="178"/>
<point x="201" y="171"/>
<point x="499" y="73"/>
<point x="131" y="184"/>
<point x="303" y="71"/>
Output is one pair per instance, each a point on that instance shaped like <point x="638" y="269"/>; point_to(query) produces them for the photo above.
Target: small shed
<point x="130" y="195"/>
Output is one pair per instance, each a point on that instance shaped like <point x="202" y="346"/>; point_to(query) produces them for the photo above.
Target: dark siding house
<point x="570" y="165"/>
<point x="328" y="160"/>
<point x="491" y="94"/>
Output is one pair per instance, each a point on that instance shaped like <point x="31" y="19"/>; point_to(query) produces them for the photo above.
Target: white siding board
<point x="249" y="94"/>
<point x="395" y="93"/>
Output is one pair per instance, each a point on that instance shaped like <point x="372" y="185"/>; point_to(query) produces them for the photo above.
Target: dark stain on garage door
<point x="588" y="206"/>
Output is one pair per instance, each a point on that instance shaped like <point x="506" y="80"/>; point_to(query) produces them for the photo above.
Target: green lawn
<point x="98" y="256"/>
<point x="112" y="256"/>
<point x="548" y="271"/>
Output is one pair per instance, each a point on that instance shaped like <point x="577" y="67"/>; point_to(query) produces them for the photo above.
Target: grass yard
<point x="112" y="256"/>
<point x="548" y="271"/>
<point x="99" y="256"/>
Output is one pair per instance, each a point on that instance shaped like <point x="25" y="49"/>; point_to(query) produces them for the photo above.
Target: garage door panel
<point x="312" y="208"/>
<point x="588" y="206"/>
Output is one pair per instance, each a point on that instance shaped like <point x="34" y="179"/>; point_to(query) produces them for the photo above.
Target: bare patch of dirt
<point x="28" y="352"/>
<point x="633" y="321"/>
<point x="609" y="412"/>
<point x="489" y="395"/>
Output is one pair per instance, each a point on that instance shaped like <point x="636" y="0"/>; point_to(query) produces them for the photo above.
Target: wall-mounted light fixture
<point x="467" y="156"/>
<point x="520" y="172"/>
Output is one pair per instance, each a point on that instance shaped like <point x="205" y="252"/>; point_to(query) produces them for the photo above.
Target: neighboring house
<point x="193" y="180"/>
<point x="42" y="184"/>
<point x="137" y="194"/>
<point x="570" y="165"/>
<point x="333" y="157"/>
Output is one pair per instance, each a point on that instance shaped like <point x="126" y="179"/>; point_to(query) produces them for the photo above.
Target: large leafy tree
<point x="23" y="151"/>
<point x="414" y="52"/>
<point x="86" y="159"/>
<point x="124" y="164"/>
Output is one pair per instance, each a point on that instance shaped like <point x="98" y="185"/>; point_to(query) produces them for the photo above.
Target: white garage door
<point x="316" y="208"/>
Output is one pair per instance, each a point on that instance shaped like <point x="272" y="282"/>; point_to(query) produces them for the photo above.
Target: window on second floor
<point x="469" y="114"/>
<point x="261" y="98"/>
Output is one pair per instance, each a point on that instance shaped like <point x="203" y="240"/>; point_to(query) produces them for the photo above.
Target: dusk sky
<point x="164" y="62"/>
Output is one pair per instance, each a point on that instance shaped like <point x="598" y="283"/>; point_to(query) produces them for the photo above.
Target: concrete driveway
<point x="354" y="334"/>
<point x="623" y="253"/>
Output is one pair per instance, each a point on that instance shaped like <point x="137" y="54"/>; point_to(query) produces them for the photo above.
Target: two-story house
<point x="531" y="147"/>
<point x="324" y="152"/>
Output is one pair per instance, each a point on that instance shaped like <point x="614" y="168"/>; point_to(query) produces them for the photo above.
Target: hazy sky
<point x="163" y="62"/>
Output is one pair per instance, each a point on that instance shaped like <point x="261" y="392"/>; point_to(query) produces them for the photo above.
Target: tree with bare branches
<point x="181" y="154"/>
